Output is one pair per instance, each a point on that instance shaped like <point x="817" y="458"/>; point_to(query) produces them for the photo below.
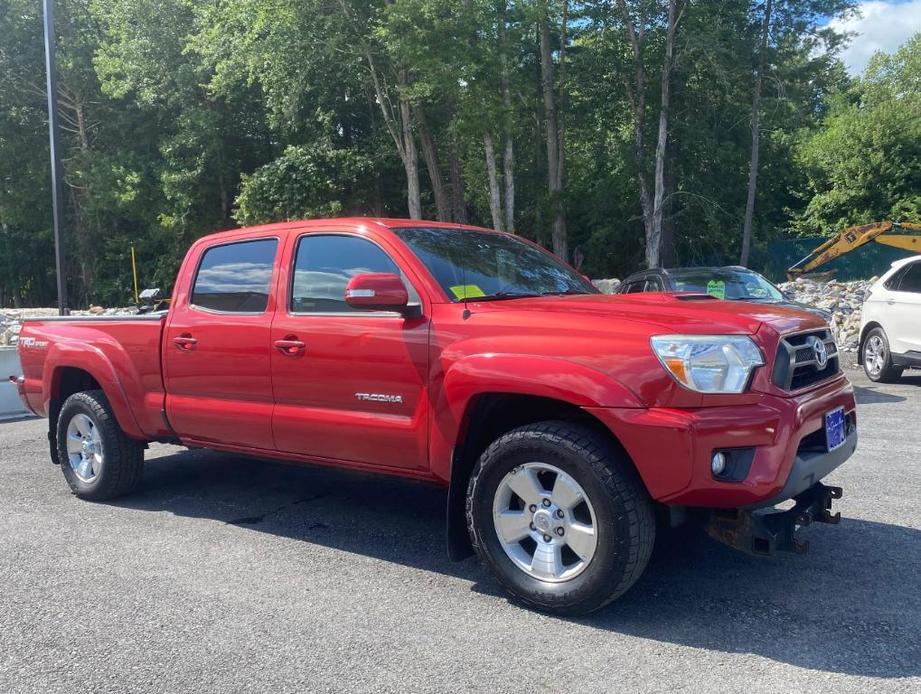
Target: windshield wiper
<point x="498" y="296"/>
<point x="567" y="292"/>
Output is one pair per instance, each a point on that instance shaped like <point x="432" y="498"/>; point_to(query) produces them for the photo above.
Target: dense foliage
<point x="617" y="132"/>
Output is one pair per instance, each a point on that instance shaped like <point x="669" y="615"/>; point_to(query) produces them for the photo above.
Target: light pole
<point x="57" y="181"/>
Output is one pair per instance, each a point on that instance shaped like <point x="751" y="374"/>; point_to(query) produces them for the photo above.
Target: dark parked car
<point x="733" y="283"/>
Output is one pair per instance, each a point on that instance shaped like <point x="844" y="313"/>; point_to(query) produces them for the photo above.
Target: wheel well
<point x="69" y="380"/>
<point x="488" y="417"/>
<point x="66" y="381"/>
<point x="863" y="336"/>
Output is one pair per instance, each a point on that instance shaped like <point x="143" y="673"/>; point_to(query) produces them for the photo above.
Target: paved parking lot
<point x="225" y="574"/>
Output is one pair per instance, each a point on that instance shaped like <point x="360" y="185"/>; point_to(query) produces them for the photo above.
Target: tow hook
<point x="765" y="531"/>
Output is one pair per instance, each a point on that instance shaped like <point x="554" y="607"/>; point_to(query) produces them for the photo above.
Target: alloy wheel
<point x="545" y="522"/>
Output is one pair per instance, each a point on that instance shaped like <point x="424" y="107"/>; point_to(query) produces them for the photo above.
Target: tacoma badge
<point x="379" y="397"/>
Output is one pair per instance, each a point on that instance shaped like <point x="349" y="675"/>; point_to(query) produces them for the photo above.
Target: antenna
<point x="466" y="313"/>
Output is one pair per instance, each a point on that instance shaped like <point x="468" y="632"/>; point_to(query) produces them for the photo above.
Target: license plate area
<point x="835" y="430"/>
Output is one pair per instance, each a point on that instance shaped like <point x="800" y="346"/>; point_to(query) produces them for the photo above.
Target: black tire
<point x="625" y="523"/>
<point x="122" y="457"/>
<point x="888" y="372"/>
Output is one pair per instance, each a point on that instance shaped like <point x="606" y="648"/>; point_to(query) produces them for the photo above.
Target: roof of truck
<point x="384" y="222"/>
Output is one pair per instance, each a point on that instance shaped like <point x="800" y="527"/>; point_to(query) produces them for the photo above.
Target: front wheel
<point x="560" y="517"/>
<point x="877" y="358"/>
<point x="98" y="461"/>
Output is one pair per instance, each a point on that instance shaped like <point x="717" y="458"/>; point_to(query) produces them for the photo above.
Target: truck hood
<point x="674" y="312"/>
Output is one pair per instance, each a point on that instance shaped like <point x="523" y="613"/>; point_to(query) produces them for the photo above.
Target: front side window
<point x="325" y="263"/>
<point x="483" y="265"/>
<point x="235" y="277"/>
<point x="911" y="280"/>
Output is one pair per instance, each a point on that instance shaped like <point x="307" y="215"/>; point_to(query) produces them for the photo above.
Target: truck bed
<point x="125" y="353"/>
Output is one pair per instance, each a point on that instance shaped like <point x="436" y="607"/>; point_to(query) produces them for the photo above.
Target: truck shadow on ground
<point x="871" y="395"/>
<point x="886" y="393"/>
<point x="853" y="605"/>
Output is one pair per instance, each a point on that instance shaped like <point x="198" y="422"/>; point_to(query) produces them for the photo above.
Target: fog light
<point x="718" y="463"/>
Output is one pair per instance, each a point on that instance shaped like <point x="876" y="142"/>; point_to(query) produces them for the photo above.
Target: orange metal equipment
<point x="855" y="237"/>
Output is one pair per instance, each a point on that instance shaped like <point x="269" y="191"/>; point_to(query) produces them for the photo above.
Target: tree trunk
<point x="756" y="139"/>
<point x="508" y="176"/>
<point x="667" y="253"/>
<point x="410" y="162"/>
<point x="508" y="158"/>
<point x="495" y="204"/>
<point x="458" y="195"/>
<point x="654" y="242"/>
<point x="430" y="154"/>
<point x="554" y="165"/>
<point x="636" y="94"/>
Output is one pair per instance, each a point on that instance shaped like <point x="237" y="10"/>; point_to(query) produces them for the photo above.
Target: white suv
<point x="890" y="327"/>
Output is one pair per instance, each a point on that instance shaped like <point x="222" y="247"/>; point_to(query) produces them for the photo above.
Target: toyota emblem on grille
<point x="819" y="353"/>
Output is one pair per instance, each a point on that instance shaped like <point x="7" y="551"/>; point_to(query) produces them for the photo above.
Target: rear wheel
<point x="559" y="515"/>
<point x="98" y="461"/>
<point x="877" y="358"/>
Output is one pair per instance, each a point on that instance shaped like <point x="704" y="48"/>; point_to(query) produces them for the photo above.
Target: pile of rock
<point x="10" y="318"/>
<point x="607" y="286"/>
<point x="843" y="299"/>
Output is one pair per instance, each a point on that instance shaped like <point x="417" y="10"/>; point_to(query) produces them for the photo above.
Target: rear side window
<point x="235" y="277"/>
<point x="911" y="280"/>
<point x="325" y="263"/>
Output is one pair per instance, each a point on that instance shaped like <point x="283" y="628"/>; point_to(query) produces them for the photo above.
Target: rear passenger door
<point x="216" y="346"/>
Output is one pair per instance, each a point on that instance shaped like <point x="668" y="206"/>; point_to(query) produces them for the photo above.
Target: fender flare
<point x="91" y="359"/>
<point x="519" y="374"/>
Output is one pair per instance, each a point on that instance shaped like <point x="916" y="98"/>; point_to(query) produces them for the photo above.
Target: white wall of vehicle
<point x="10" y="404"/>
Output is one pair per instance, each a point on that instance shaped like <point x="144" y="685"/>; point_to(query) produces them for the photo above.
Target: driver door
<point x="356" y="392"/>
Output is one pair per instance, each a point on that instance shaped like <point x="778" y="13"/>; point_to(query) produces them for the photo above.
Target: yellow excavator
<point x="855" y="237"/>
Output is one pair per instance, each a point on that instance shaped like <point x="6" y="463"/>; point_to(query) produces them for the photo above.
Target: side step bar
<point x="763" y="532"/>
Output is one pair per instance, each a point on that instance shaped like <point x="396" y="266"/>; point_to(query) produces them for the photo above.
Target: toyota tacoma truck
<point x="566" y="425"/>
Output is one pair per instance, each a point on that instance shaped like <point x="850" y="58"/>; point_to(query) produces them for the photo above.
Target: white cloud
<point x="879" y="26"/>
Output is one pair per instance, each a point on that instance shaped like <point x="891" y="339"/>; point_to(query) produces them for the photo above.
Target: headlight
<point x="708" y="363"/>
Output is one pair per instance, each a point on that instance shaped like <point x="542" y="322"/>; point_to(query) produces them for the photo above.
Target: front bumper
<point x="672" y="448"/>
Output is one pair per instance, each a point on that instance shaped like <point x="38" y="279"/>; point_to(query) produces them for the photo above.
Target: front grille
<point x="797" y="367"/>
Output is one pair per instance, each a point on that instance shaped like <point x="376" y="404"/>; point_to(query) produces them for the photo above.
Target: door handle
<point x="891" y="302"/>
<point x="290" y="346"/>
<point x="185" y="342"/>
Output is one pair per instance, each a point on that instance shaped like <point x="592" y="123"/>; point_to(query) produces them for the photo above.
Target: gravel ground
<point x="224" y="575"/>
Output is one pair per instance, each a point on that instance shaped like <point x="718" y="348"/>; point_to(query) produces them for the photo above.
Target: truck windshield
<point x="484" y="265"/>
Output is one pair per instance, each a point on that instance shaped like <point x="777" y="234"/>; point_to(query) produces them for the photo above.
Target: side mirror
<point x="379" y="291"/>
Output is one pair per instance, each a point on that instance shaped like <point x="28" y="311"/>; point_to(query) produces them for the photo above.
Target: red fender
<point x="522" y="374"/>
<point x="90" y="358"/>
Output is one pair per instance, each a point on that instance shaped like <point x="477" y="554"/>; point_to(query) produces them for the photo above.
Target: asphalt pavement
<point x="224" y="574"/>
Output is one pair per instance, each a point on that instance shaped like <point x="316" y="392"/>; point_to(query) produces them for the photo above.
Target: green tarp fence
<point x="870" y="260"/>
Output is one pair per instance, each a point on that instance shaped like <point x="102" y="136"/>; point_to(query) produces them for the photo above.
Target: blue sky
<point x="881" y="25"/>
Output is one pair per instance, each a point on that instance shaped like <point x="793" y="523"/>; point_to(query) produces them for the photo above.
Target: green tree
<point x="864" y="163"/>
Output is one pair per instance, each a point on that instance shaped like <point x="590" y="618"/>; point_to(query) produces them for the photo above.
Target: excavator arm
<point x="854" y="237"/>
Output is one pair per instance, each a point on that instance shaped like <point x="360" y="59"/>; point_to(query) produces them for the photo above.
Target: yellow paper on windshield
<point x="716" y="288"/>
<point x="467" y="291"/>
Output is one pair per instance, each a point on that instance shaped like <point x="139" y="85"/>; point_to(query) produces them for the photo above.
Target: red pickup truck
<point x="566" y="424"/>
